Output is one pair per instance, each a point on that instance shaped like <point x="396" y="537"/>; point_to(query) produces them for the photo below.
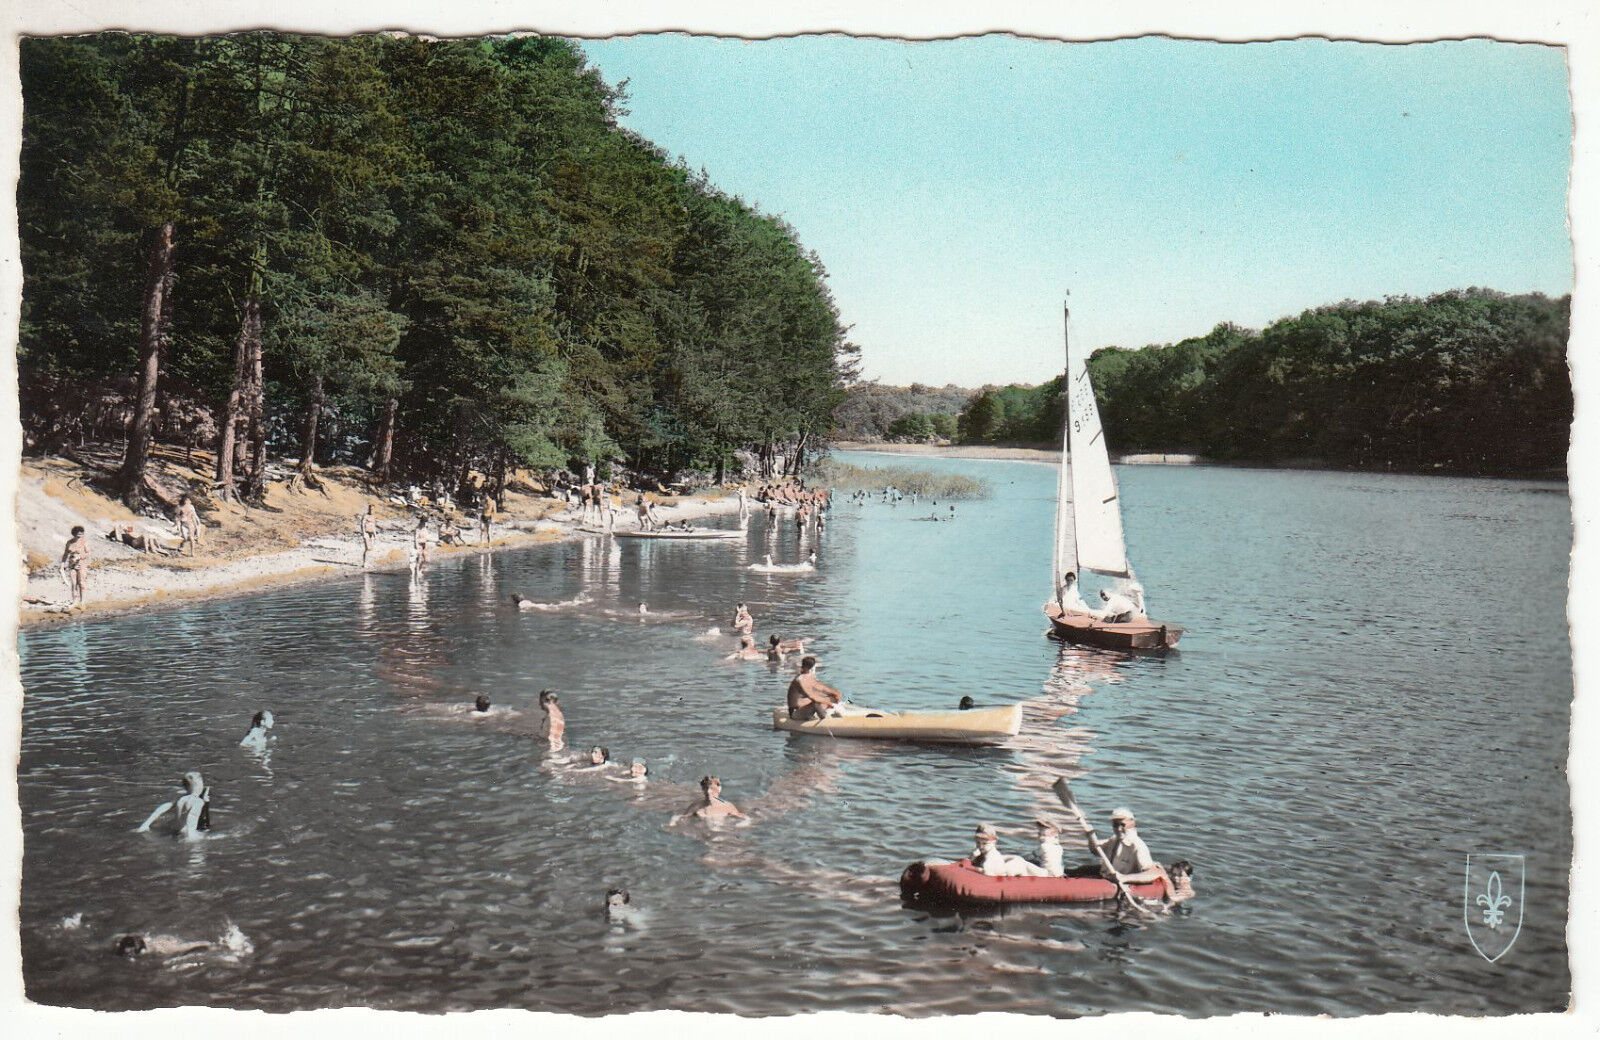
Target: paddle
<point x="1064" y="793"/>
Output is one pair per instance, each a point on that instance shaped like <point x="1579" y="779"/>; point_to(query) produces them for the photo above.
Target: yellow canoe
<point x="974" y="726"/>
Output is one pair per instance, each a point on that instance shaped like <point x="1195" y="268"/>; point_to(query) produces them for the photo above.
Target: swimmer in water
<point x="636" y="773"/>
<point x="619" y="903"/>
<point x="748" y="651"/>
<point x="194" y="808"/>
<point x="523" y="603"/>
<point x="132" y="945"/>
<point x="256" y="739"/>
<point x="965" y="704"/>
<point x="643" y="610"/>
<point x="712" y="806"/>
<point x="598" y="758"/>
<point x="481" y="704"/>
<point x="778" y="647"/>
<point x="554" y="727"/>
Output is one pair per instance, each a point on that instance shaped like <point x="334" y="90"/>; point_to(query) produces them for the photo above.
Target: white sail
<point x="1096" y="516"/>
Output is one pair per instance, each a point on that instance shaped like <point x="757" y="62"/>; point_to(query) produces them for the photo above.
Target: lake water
<point x="1375" y="683"/>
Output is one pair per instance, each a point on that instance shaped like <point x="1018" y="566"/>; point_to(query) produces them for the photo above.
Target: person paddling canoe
<point x="1127" y="853"/>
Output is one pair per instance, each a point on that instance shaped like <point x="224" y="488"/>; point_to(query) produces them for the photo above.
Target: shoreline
<point x="1052" y="457"/>
<point x="121" y="590"/>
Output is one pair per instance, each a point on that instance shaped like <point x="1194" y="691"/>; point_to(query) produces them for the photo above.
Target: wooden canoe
<point x="1122" y="635"/>
<point x="974" y="726"/>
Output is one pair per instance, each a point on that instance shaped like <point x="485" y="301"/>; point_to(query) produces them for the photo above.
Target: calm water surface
<point x="1375" y="682"/>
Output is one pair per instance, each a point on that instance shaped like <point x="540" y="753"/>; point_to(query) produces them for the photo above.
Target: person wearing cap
<point x="193" y="808"/>
<point x="988" y="858"/>
<point x="1048" y="854"/>
<point x="1127" y="852"/>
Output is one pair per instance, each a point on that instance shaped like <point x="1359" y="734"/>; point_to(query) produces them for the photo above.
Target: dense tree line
<point x="873" y="412"/>
<point x="432" y="258"/>
<point x="1472" y="381"/>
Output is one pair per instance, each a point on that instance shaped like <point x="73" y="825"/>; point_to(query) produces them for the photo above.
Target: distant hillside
<point x="873" y="412"/>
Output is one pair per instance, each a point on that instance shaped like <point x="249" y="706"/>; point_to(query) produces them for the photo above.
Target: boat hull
<point x="1125" y="635"/>
<point x="975" y="726"/>
<point x="961" y="884"/>
<point x="680" y="536"/>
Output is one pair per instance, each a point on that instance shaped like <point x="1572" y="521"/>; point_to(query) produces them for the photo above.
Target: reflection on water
<point x="402" y="850"/>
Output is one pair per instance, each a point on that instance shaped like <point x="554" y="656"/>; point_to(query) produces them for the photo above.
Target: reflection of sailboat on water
<point x="1089" y="528"/>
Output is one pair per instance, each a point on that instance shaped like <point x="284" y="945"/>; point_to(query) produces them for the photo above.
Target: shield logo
<point x="1493" y="902"/>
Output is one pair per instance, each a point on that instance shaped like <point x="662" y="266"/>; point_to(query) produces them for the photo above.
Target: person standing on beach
<point x="485" y="518"/>
<point x="188" y="525"/>
<point x="75" y="565"/>
<point x="643" y="509"/>
<point x="369" y="530"/>
<point x="420" y="540"/>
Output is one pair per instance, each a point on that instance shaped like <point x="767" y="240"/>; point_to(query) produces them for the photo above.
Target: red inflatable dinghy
<point x="958" y="884"/>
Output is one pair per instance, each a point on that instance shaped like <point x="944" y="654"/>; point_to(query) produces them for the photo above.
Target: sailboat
<point x="1089" y="525"/>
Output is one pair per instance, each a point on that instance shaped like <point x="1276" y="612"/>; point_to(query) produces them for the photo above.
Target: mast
<point x="1064" y="557"/>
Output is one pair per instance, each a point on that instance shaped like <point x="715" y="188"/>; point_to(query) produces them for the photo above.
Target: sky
<point x="957" y="190"/>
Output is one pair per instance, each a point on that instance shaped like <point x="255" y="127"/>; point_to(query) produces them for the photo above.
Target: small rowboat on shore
<point x="974" y="726"/>
<point x="962" y="884"/>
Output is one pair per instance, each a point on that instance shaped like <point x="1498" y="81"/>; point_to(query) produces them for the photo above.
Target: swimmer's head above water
<point x="599" y="756"/>
<point x="638" y="770"/>
<point x="547" y="698"/>
<point x="129" y="945"/>
<point x="481" y="704"/>
<point x="262" y="720"/>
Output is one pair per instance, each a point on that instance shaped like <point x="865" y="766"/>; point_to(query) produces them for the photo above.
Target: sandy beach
<point x="299" y="536"/>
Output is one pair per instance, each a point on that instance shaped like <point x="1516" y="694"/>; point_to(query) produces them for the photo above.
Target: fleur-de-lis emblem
<point x="1494" y="901"/>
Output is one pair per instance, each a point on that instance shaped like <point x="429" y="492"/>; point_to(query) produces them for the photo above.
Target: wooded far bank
<point x="1472" y="381"/>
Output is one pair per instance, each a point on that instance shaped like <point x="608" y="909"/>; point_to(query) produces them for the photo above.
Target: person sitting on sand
<point x="636" y="773"/>
<point x="450" y="534"/>
<point x="554" y="727"/>
<point x="145" y="543"/>
<point x="711" y="805"/>
<point x="75" y="564"/>
<point x="1117" y="609"/>
<point x="193" y="808"/>
<point x="481" y="704"/>
<point x="256" y="739"/>
<point x="808" y="696"/>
